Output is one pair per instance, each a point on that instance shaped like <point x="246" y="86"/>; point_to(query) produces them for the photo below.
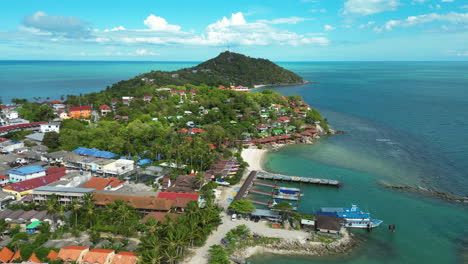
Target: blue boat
<point x="353" y="216"/>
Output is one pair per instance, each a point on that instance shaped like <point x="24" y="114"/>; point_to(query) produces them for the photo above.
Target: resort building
<point x="65" y="195"/>
<point x="141" y="203"/>
<point x="50" y="127"/>
<point x="79" y="112"/>
<point x="26" y="173"/>
<point x="71" y="254"/>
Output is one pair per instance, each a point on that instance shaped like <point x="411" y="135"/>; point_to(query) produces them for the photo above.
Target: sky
<point x="280" y="30"/>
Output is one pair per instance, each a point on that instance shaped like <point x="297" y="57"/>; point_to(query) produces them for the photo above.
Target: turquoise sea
<point x="406" y="123"/>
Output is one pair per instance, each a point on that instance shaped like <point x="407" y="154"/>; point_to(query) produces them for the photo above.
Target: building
<point x="147" y="98"/>
<point x="10" y="145"/>
<point x="5" y="198"/>
<point x="159" y="217"/>
<point x="26" y="173"/>
<point x="105" y="109"/>
<point x="71" y="254"/>
<point x="79" y="112"/>
<point x="6" y="255"/>
<point x="50" y="127"/>
<point x="22" y="217"/>
<point x="125" y="257"/>
<point x="98" y="256"/>
<point x="4" y="180"/>
<point x="182" y="199"/>
<point x="62" y="114"/>
<point x="141" y="203"/>
<point x="65" y="195"/>
<point x="37" y="137"/>
<point x="104" y="184"/>
<point x="19" y="189"/>
<point x="328" y="224"/>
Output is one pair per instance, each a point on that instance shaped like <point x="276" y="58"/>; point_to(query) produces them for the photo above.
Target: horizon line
<point x="195" y="61"/>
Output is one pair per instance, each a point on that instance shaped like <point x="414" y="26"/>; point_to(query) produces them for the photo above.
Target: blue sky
<point x="281" y="30"/>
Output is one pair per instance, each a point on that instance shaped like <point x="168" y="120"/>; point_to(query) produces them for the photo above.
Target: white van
<point x="234" y="217"/>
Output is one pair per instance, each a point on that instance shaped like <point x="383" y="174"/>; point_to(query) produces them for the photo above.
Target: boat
<point x="222" y="182"/>
<point x="354" y="216"/>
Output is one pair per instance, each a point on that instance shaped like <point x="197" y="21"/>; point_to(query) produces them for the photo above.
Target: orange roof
<point x="34" y="259"/>
<point x="139" y="202"/>
<point x="71" y="252"/>
<point x="17" y="255"/>
<point x="6" y="255"/>
<point x="52" y="255"/>
<point x="125" y="257"/>
<point x="97" y="255"/>
<point x="158" y="216"/>
<point x="101" y="183"/>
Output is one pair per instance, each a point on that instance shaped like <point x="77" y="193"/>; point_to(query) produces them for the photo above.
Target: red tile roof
<point x="125" y="257"/>
<point x="158" y="216"/>
<point x="34" y="259"/>
<point x="196" y="130"/>
<point x="17" y="255"/>
<point x="3" y="139"/>
<point x="52" y="255"/>
<point x="97" y="255"/>
<point x="79" y="108"/>
<point x="71" y="252"/>
<point x="104" y="107"/>
<point x="6" y="255"/>
<point x="34" y="183"/>
<point x="101" y="183"/>
<point x="53" y="170"/>
<point x="174" y="195"/>
<point x="21" y="126"/>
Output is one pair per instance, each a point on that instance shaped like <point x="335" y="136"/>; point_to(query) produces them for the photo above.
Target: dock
<point x="259" y="202"/>
<point x="246" y="186"/>
<point x="260" y="192"/>
<point x="278" y="177"/>
<point x="266" y="184"/>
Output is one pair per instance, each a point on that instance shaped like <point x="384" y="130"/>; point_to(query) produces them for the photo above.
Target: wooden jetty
<point x="278" y="177"/>
<point x="246" y="186"/>
<point x="286" y="197"/>
<point x="266" y="184"/>
<point x="259" y="202"/>
<point x="260" y="192"/>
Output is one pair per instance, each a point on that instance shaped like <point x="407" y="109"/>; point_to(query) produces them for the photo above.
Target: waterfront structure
<point x="79" y="112"/>
<point x="65" y="195"/>
<point x="26" y="173"/>
<point x="354" y="216"/>
<point x="50" y="127"/>
<point x="328" y="224"/>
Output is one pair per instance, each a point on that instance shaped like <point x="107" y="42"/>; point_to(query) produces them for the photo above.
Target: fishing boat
<point x="354" y="216"/>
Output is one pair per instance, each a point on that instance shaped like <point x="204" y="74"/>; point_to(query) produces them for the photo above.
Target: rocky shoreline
<point x="297" y="247"/>
<point x="426" y="191"/>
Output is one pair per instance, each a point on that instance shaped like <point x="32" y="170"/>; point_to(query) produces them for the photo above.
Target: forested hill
<point x="228" y="68"/>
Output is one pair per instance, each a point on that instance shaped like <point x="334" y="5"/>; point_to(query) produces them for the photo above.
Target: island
<point x="149" y="166"/>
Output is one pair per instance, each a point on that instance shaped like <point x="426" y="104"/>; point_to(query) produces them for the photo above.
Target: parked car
<point x="234" y="217"/>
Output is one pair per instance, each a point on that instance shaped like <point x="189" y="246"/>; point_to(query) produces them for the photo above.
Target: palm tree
<point x="51" y="204"/>
<point x="151" y="256"/>
<point x="89" y="211"/>
<point x="75" y="206"/>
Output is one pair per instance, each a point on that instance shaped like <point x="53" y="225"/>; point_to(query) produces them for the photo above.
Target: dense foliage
<point x="242" y="206"/>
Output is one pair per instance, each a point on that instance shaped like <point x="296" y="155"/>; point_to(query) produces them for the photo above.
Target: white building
<point x="10" y="145"/>
<point x="26" y="173"/>
<point x="50" y="127"/>
<point x="12" y="114"/>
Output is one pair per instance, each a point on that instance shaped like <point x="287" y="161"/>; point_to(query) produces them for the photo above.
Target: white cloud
<point x="464" y="7"/>
<point x="144" y="52"/>
<point x="367" y="25"/>
<point x="452" y="17"/>
<point x="41" y="23"/>
<point x="448" y="1"/>
<point x="286" y="20"/>
<point x="369" y="7"/>
<point x="119" y="28"/>
<point x="158" y="23"/>
<point x="328" y="28"/>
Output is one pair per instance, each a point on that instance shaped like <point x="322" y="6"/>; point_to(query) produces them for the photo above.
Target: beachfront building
<point x="50" y="127"/>
<point x="79" y="112"/>
<point x="26" y="173"/>
<point x="65" y="195"/>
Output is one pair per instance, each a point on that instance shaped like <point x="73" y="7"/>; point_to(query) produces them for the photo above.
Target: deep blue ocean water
<point x="406" y="123"/>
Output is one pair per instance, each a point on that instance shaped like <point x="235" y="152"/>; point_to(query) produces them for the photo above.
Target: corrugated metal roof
<point x="64" y="189"/>
<point x="27" y="170"/>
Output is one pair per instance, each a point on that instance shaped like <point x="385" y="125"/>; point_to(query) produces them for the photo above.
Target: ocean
<point x="405" y="124"/>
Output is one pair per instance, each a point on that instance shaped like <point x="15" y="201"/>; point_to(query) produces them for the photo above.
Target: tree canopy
<point x="242" y="206"/>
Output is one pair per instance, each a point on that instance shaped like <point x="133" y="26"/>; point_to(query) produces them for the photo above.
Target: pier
<point x="278" y="177"/>
<point x="260" y="192"/>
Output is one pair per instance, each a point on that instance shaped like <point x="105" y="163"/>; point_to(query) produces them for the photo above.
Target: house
<point x="125" y="257"/>
<point x="18" y="189"/>
<point x="105" y="109"/>
<point x="36" y="137"/>
<point x="181" y="199"/>
<point x="103" y="184"/>
<point x="183" y="183"/>
<point x="26" y="173"/>
<point x="127" y="99"/>
<point x="64" y="195"/>
<point x="159" y="217"/>
<point x="62" y="114"/>
<point x="52" y="255"/>
<point x="262" y="128"/>
<point x="34" y="259"/>
<point x="147" y="98"/>
<point x="5" y="255"/>
<point x="5" y="198"/>
<point x="284" y="120"/>
<point x="50" y="127"/>
<point x="4" y="180"/>
<point x="10" y="145"/>
<point x="72" y="253"/>
<point x="16" y="256"/>
<point x="32" y="227"/>
<point x="141" y="203"/>
<point x="98" y="256"/>
<point x="79" y="112"/>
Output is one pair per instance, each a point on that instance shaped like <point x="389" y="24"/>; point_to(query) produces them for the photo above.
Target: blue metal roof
<point x="27" y="170"/>
<point x="144" y="162"/>
<point x="94" y="152"/>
